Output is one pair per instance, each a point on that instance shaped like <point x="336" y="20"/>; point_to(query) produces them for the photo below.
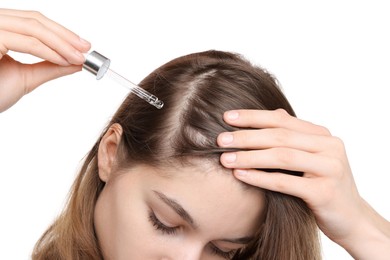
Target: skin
<point x="275" y="140"/>
<point x="32" y="33"/>
<point x="207" y="193"/>
<point x="327" y="186"/>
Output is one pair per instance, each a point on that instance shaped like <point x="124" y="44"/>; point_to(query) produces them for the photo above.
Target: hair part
<point x="196" y="89"/>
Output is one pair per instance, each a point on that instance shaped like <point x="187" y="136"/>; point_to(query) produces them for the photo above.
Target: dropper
<point x="99" y="66"/>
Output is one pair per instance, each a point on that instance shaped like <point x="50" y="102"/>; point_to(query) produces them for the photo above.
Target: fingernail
<point x="79" y="55"/>
<point x="84" y="42"/>
<point x="232" y="115"/>
<point x="226" y="138"/>
<point x="240" y="172"/>
<point x="229" y="157"/>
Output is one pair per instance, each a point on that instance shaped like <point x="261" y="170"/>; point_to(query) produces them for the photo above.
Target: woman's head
<point x="197" y="89"/>
<point x="152" y="186"/>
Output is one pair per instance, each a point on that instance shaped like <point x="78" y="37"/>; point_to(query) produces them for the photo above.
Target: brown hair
<point x="196" y="89"/>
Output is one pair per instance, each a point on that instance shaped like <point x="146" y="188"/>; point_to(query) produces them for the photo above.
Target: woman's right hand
<point x="31" y="32"/>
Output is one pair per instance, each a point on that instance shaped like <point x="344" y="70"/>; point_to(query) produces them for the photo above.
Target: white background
<point x="331" y="58"/>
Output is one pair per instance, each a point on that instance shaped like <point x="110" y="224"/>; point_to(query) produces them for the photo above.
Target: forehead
<point x="197" y="170"/>
<point x="213" y="197"/>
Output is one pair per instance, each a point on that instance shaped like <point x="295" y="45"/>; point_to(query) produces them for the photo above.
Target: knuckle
<point x="32" y="22"/>
<point x="281" y="111"/>
<point x="283" y="156"/>
<point x="33" y="43"/>
<point x="281" y="136"/>
<point x="281" y="115"/>
<point x="337" y="144"/>
<point x="336" y="167"/>
<point x="280" y="182"/>
<point x="322" y="130"/>
<point x="326" y="191"/>
<point x="35" y="14"/>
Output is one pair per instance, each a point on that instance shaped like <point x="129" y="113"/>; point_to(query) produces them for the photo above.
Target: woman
<point x="153" y="186"/>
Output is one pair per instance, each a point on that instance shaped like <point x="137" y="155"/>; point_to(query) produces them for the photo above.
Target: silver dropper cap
<point x="97" y="64"/>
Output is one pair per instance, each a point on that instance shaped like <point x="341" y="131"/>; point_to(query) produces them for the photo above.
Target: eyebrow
<point x="177" y="208"/>
<point x="241" y="240"/>
<point x="187" y="217"/>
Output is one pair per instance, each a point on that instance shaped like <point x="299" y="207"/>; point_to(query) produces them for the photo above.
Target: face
<point x="187" y="213"/>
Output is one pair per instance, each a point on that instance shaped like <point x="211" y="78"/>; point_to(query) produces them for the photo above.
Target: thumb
<point x="39" y="73"/>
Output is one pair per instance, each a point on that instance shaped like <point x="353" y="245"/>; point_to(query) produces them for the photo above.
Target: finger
<point x="271" y="119"/>
<point x="311" y="164"/>
<point x="274" y="137"/>
<point x="279" y="182"/>
<point x="30" y="45"/>
<point x="35" y="29"/>
<point x="76" y="41"/>
<point x="39" y="73"/>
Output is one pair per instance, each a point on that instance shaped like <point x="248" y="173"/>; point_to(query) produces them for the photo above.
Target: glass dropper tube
<point x="99" y="65"/>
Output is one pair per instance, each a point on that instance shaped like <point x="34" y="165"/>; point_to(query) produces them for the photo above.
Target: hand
<point x="32" y="33"/>
<point x="279" y="141"/>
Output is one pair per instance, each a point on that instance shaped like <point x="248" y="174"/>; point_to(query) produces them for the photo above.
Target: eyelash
<point x="160" y="226"/>
<point x="172" y="230"/>
<point x="226" y="255"/>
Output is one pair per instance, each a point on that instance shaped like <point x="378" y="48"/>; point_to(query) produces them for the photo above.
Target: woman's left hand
<point x="276" y="140"/>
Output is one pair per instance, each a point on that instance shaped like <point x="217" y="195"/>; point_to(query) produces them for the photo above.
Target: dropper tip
<point x="158" y="103"/>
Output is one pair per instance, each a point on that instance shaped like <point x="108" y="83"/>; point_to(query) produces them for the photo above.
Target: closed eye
<point x="172" y="230"/>
<point x="161" y="226"/>
<point x="225" y="254"/>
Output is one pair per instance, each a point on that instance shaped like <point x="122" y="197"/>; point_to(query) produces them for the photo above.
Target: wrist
<point x="370" y="238"/>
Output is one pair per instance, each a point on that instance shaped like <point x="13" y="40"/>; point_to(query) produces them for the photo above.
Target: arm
<point x="278" y="140"/>
<point x="32" y="33"/>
